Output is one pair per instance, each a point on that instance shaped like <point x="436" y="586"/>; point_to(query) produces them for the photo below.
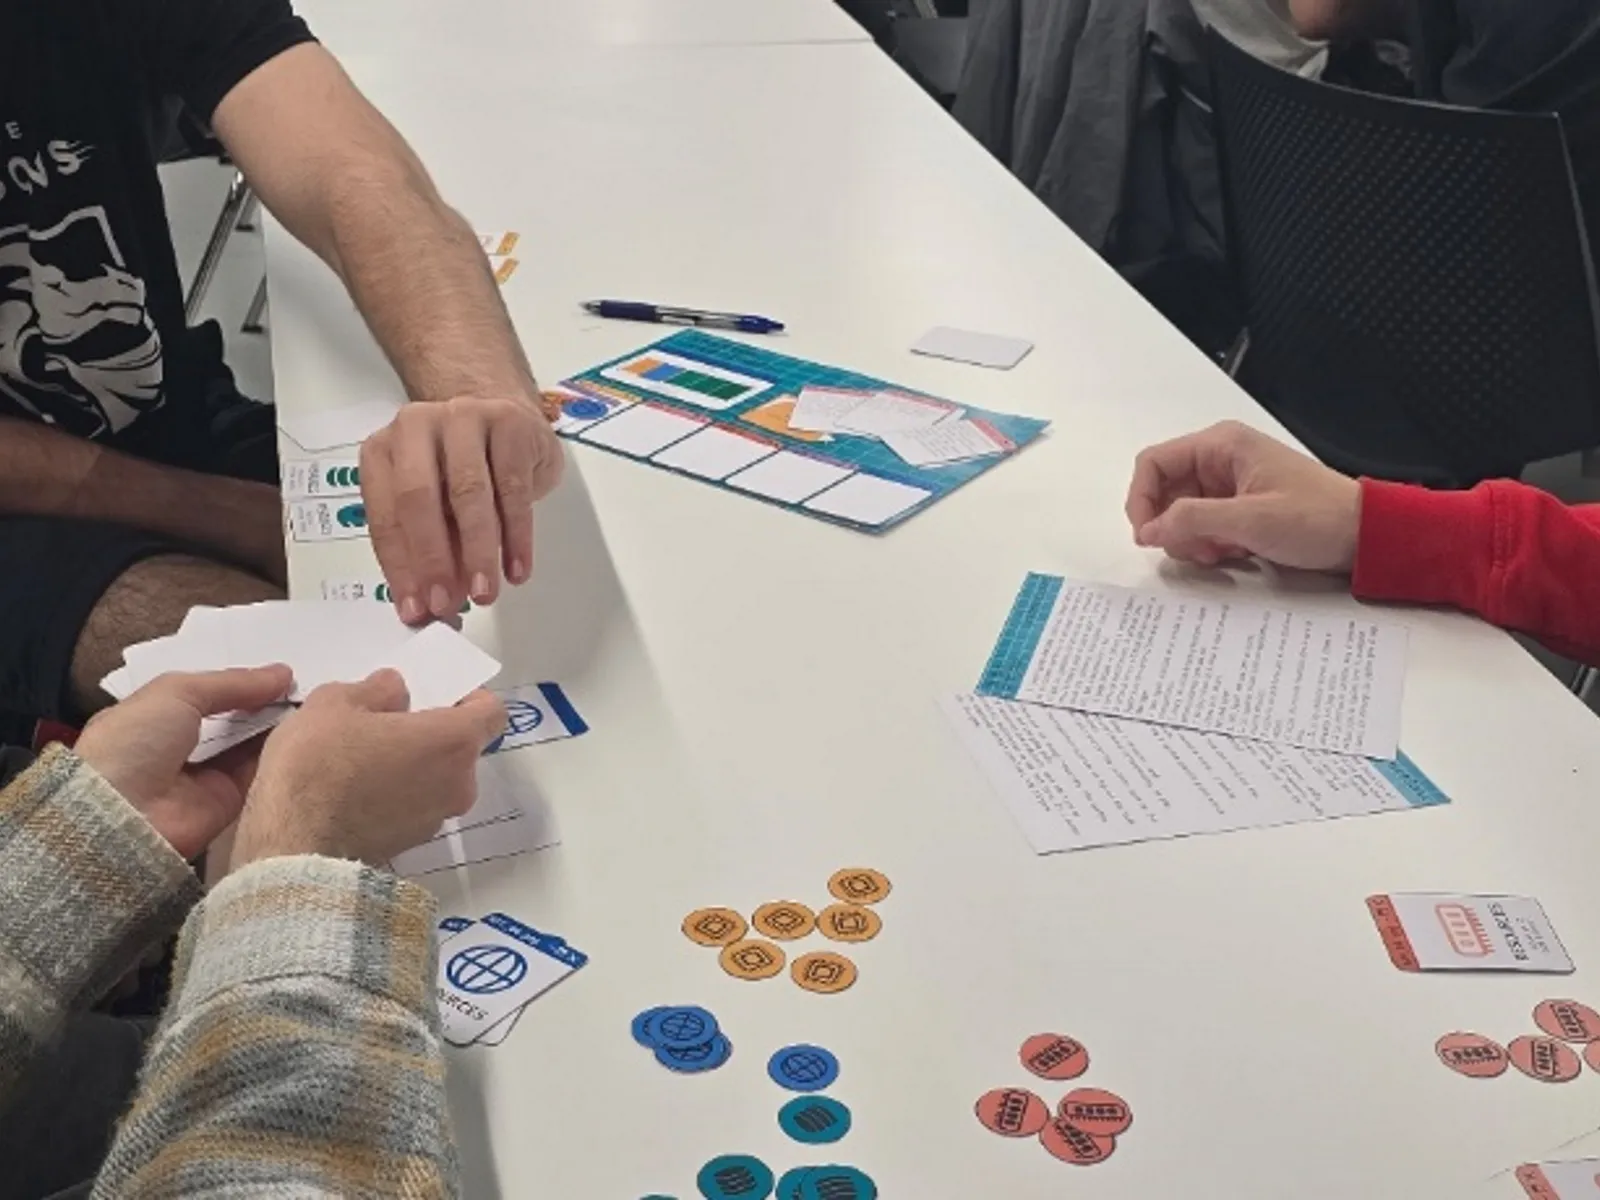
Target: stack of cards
<point x="321" y="642"/>
<point x="509" y="817"/>
<point x="922" y="431"/>
<point x="491" y="970"/>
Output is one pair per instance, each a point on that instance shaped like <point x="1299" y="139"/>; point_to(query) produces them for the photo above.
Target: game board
<point x="717" y="410"/>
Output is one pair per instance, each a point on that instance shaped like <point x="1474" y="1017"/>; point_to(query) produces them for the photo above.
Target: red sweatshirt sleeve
<point x="1514" y="555"/>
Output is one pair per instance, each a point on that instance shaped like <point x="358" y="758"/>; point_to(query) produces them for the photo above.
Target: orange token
<point x="714" y="926"/>
<point x="1471" y="1054"/>
<point x="1052" y="1056"/>
<point x="751" y="960"/>
<point x="823" y="971"/>
<point x="1568" y="1020"/>
<point x="1012" y="1112"/>
<point x="1591" y="1055"/>
<point x="849" y="923"/>
<point x="1095" y="1111"/>
<point x="1072" y="1145"/>
<point x="784" y="920"/>
<point x="859" y="885"/>
<point x="1544" y="1059"/>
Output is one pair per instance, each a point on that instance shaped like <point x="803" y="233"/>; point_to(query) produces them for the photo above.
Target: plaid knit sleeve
<point x="301" y="1053"/>
<point x="86" y="887"/>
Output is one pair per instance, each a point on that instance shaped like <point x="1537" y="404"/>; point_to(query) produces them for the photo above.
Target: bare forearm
<point x="1337" y="19"/>
<point x="416" y="272"/>
<point x="44" y="472"/>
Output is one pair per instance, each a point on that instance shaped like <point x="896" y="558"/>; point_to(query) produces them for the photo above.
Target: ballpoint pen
<point x="662" y="314"/>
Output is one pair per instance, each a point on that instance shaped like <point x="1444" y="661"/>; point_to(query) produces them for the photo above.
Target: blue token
<point x="641" y="1027"/>
<point x="696" y="1059"/>
<point x="680" y="1028"/>
<point x="735" y="1177"/>
<point x="584" y="409"/>
<point x="791" y="1183"/>
<point x="803" y="1068"/>
<point x="814" y="1120"/>
<point x="837" y="1183"/>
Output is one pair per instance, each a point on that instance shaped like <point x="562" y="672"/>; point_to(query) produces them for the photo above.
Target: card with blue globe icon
<point x="536" y="712"/>
<point x="490" y="969"/>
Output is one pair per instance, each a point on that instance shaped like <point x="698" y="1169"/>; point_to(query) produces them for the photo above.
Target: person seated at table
<point x="300" y="1051"/>
<point x="135" y="481"/>
<point x="1505" y="54"/>
<point x="1510" y="553"/>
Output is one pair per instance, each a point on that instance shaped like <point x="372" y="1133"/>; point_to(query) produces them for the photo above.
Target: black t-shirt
<point x="92" y="332"/>
<point x="1502" y="53"/>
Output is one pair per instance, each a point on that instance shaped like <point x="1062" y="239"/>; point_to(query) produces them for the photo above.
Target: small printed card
<point x="946" y="443"/>
<point x="492" y="968"/>
<point x="1439" y="931"/>
<point x="536" y="712"/>
<point x="327" y="520"/>
<point x="309" y="479"/>
<point x="1576" y="1179"/>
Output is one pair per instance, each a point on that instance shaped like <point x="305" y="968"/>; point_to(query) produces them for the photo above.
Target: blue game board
<point x="717" y="410"/>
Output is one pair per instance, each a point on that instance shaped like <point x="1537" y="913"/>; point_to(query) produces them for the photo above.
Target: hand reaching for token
<point x="352" y="774"/>
<point x="1230" y="492"/>
<point x="449" y="487"/>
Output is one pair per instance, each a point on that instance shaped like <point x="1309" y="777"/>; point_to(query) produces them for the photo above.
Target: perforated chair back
<point x="1416" y="280"/>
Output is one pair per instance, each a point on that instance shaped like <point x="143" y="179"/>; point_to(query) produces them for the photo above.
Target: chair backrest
<point x="1421" y="265"/>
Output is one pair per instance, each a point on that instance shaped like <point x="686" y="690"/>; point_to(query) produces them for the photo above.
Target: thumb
<point x="1233" y="521"/>
<point x="382" y="691"/>
<point x="245" y="689"/>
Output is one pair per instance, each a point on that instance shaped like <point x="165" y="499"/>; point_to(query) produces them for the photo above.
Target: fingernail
<point x="439" y="601"/>
<point x="519" y="571"/>
<point x="480" y="587"/>
<point x="410" y="610"/>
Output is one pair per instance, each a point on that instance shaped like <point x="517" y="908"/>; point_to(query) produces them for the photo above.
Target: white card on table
<point x="1575" y="1179"/>
<point x="1440" y="931"/>
<point x="493" y="968"/>
<point x="867" y="499"/>
<point x="504" y="837"/>
<point x="1072" y="780"/>
<point x="327" y="520"/>
<point x="891" y="412"/>
<point x="947" y="442"/>
<point x="1320" y="681"/>
<point x="818" y="409"/>
<point x="313" y="478"/>
<point x="980" y="349"/>
<point x="347" y="426"/>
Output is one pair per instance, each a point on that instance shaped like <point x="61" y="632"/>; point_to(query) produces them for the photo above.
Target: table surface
<point x="761" y="689"/>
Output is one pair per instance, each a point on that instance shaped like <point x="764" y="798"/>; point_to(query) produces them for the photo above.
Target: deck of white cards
<point x="490" y="970"/>
<point x="921" y="431"/>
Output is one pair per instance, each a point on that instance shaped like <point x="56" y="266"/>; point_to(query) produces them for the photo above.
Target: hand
<point x="450" y="487"/>
<point x="142" y="747"/>
<point x="354" y="775"/>
<point x="1230" y="492"/>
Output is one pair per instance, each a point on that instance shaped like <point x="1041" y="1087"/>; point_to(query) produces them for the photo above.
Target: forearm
<point x="1512" y="554"/>
<point x="1343" y="19"/>
<point x="297" y="979"/>
<point x="44" y="472"/>
<point x="423" y="284"/>
<point x="90" y="886"/>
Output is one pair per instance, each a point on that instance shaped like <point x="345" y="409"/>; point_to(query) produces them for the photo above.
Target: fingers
<point x="473" y="507"/>
<point x="512" y="452"/>
<point x="470" y="725"/>
<point x="1158" y="473"/>
<point x="1205" y="530"/>
<point x="242" y="689"/>
<point x="384" y="691"/>
<point x="388" y="536"/>
<point x="419" y="507"/>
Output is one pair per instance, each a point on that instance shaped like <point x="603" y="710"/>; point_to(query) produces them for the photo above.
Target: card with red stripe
<point x="1440" y="931"/>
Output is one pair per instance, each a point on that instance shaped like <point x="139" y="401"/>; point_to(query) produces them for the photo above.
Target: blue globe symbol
<point x="522" y="717"/>
<point x="484" y="970"/>
<point x="804" y="1067"/>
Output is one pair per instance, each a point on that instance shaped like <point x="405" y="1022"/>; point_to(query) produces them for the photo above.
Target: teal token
<point x="352" y="516"/>
<point x="791" y="1183"/>
<point x="814" y="1120"/>
<point x="735" y="1177"/>
<point x="837" y="1183"/>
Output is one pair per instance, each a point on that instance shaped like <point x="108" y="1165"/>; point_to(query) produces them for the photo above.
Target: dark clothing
<point x="92" y="332"/>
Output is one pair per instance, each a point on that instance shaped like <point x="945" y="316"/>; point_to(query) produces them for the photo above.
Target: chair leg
<point x="238" y="195"/>
<point x="258" y="305"/>
<point x="247" y="218"/>
<point x="1233" y="357"/>
<point x="1582" y="680"/>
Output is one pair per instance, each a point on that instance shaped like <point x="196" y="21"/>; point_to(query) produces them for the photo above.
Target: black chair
<point x="1418" y="290"/>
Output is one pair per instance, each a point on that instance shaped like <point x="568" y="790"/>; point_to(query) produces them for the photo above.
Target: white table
<point x="761" y="691"/>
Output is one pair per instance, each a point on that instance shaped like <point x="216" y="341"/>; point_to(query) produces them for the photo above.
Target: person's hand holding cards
<point x="354" y="775"/>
